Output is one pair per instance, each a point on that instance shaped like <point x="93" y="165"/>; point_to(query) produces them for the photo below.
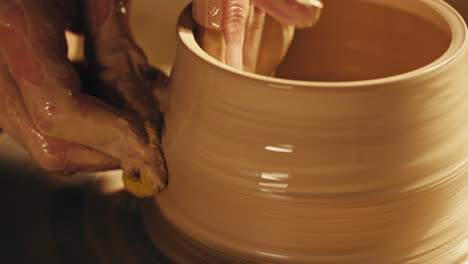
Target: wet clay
<point x="242" y="32"/>
<point x="362" y="40"/>
<point x="268" y="170"/>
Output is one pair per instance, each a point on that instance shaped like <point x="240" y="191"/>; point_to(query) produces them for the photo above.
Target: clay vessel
<point x="356" y="153"/>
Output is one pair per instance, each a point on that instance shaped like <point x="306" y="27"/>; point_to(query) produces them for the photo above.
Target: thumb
<point x="121" y="66"/>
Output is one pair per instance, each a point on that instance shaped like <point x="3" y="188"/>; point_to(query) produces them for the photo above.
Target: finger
<point x="235" y="14"/>
<point x="123" y="65"/>
<point x="212" y="42"/>
<point x="208" y="15"/>
<point x="120" y="64"/>
<point x="50" y="89"/>
<point x="253" y="38"/>
<point x="276" y="39"/>
<point x="50" y="154"/>
<point x="300" y="13"/>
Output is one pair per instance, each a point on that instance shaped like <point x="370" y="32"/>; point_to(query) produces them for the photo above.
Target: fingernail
<point x="253" y="37"/>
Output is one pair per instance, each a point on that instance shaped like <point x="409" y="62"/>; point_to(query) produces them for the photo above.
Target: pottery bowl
<point x="356" y="153"/>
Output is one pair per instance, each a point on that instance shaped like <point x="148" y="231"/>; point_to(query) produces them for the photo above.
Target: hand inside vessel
<point x="233" y="30"/>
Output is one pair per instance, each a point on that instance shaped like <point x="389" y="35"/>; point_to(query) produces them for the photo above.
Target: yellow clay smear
<point x="135" y="184"/>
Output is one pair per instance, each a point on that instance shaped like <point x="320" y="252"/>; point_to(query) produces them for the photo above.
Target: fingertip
<point x="311" y="15"/>
<point x="135" y="184"/>
<point x="234" y="24"/>
<point x="154" y="177"/>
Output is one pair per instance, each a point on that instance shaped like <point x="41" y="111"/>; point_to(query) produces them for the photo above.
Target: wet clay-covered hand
<point x="252" y="35"/>
<point x="42" y="103"/>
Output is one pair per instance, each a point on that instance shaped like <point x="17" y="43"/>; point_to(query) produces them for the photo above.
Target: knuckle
<point x="235" y="17"/>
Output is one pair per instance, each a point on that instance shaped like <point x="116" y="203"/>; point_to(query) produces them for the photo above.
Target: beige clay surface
<point x="363" y="164"/>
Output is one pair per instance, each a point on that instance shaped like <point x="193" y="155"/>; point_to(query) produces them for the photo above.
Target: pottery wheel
<point x="81" y="219"/>
<point x="84" y="219"/>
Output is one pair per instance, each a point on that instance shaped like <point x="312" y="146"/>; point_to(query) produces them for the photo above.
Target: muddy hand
<point x="233" y="30"/>
<point x="126" y="76"/>
<point x="44" y="107"/>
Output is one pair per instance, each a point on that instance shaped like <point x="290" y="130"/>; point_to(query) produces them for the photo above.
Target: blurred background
<point x="154" y="27"/>
<point x="460" y="5"/>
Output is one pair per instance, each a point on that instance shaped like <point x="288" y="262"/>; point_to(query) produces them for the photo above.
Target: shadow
<point x="49" y="221"/>
<point x="23" y="196"/>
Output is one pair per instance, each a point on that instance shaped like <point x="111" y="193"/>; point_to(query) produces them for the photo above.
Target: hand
<point x="242" y="23"/>
<point x="42" y="104"/>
